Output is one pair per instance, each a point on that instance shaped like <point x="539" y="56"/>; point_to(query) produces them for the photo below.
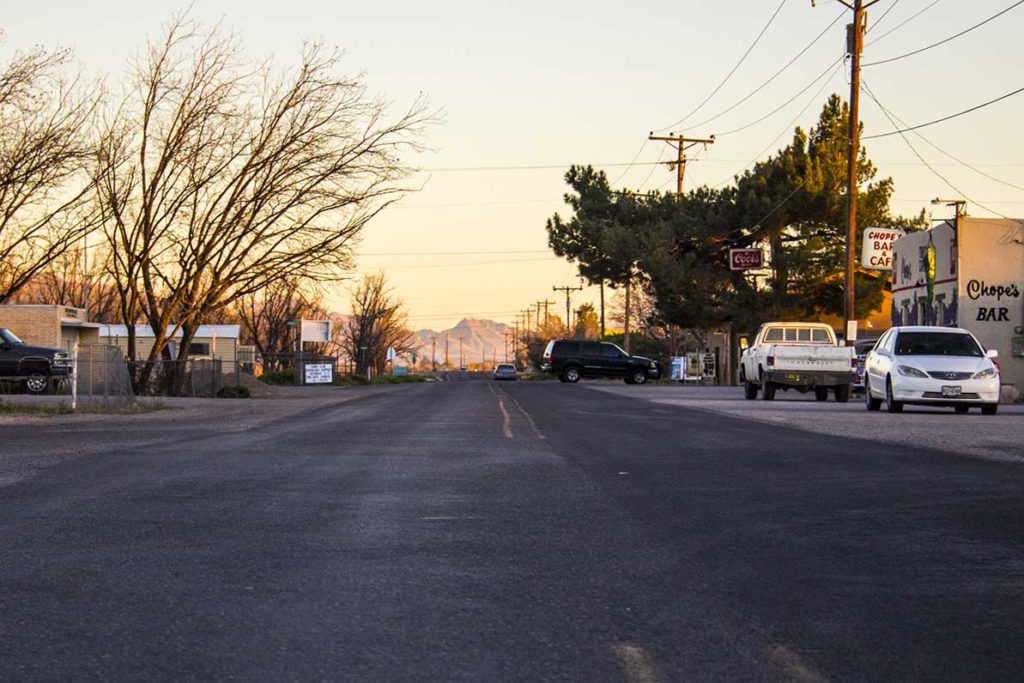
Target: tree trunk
<point x="602" y="308"/>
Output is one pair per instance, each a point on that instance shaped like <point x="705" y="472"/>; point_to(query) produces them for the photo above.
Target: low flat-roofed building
<point x="59" y="327"/>
<point x="218" y="342"/>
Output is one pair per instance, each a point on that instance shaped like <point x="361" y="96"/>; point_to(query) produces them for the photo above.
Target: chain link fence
<point x="101" y="377"/>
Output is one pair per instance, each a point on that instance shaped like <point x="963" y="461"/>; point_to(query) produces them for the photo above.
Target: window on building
<point x="199" y="349"/>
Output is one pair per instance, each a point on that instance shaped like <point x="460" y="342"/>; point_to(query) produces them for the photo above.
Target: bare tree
<point x="75" y="278"/>
<point x="218" y="178"/>
<point x="45" y="152"/>
<point x="265" y="316"/>
<point x="378" y="322"/>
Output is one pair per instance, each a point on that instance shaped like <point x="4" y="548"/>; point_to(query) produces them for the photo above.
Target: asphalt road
<point x="478" y="531"/>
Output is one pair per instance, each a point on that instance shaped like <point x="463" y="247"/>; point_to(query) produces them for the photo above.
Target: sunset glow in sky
<point x="528" y="88"/>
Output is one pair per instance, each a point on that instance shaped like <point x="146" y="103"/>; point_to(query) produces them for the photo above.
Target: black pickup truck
<point x="37" y="368"/>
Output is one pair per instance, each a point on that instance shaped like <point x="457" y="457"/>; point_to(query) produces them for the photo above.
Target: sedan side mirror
<point x="992" y="353"/>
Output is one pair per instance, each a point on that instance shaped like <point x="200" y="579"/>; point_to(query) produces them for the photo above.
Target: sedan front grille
<point x="961" y="397"/>
<point x="951" y="375"/>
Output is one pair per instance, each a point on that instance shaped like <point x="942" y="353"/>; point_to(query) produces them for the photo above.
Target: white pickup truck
<point x="801" y="356"/>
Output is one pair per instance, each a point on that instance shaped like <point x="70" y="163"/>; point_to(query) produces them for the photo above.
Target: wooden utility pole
<point x="568" y="296"/>
<point x="433" y="354"/>
<point x="462" y="357"/>
<point x="446" y="351"/>
<point x="682" y="143"/>
<point x="854" y="48"/>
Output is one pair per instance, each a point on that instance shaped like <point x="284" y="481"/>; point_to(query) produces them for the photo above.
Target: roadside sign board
<point x="318" y="373"/>
<point x="746" y="259"/>
<point x="876" y="249"/>
<point x="399" y="370"/>
<point x="679" y="367"/>
<point x="315" y="331"/>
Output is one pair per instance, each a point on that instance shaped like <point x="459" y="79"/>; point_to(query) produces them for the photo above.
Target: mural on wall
<point x="924" y="287"/>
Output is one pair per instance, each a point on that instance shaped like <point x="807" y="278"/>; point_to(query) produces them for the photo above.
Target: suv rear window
<point x="566" y="348"/>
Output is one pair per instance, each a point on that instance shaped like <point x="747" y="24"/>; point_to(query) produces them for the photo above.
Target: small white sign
<point x="318" y="373"/>
<point x="876" y="251"/>
<point x="315" y="331"/>
<point x="851" y="331"/>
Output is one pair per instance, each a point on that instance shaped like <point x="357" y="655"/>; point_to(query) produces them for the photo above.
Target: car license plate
<point x="793" y="377"/>
<point x="951" y="391"/>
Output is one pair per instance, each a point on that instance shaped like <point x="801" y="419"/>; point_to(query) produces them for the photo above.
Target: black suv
<point x="37" y="367"/>
<point x="571" y="359"/>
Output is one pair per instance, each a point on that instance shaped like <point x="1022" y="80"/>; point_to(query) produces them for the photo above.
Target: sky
<point x="526" y="88"/>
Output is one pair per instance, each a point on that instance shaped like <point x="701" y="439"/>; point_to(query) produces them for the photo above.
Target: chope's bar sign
<point x="876" y="252"/>
<point x="746" y="259"/>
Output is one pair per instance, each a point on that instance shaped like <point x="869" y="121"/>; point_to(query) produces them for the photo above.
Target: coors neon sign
<point x="746" y="259"/>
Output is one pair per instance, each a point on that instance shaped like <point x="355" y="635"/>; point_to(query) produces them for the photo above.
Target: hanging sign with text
<point x="746" y="259"/>
<point x="876" y="252"/>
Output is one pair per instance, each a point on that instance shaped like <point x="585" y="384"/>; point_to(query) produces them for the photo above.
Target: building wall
<point x="35" y="325"/>
<point x="991" y="290"/>
<point x="59" y="327"/>
<point x="221" y="348"/>
<point x="978" y="285"/>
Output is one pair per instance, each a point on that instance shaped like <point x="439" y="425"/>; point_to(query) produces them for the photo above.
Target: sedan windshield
<point x="10" y="337"/>
<point x="937" y="344"/>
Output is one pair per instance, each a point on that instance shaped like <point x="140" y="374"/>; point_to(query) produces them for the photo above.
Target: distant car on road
<point x="506" y="371"/>
<point x="938" y="366"/>
<point x="37" y="368"/>
<point x="862" y="347"/>
<point x="573" y="359"/>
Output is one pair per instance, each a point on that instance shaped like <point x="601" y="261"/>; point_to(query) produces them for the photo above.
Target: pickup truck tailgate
<point x="811" y="357"/>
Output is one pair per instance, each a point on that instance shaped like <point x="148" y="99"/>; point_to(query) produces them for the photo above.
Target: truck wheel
<point x="820" y="393"/>
<point x="638" y="377"/>
<point x="891" y="405"/>
<point x="36" y="384"/>
<point x="842" y="393"/>
<point x="768" y="391"/>
<point x="571" y="374"/>
<point x="749" y="391"/>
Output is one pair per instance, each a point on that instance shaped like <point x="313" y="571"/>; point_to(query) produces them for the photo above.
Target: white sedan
<point x="937" y="366"/>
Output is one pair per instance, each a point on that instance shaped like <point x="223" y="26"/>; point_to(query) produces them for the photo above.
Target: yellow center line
<point x="529" y="419"/>
<point x="506" y="421"/>
<point x="794" y="665"/>
<point x="636" y="664"/>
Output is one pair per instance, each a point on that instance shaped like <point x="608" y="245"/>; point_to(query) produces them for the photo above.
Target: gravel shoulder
<point x="999" y="437"/>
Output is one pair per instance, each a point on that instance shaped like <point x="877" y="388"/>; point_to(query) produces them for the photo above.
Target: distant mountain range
<point x="481" y="340"/>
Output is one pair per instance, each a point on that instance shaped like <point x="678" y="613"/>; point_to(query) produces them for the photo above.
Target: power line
<point x="785" y="104"/>
<point x="959" y="161"/>
<point x="812" y="100"/>
<point x="946" y="40"/>
<point x="902" y="134"/>
<point x="458" y="253"/>
<point x="945" y="118"/>
<point x="903" y="23"/>
<point x="733" y="71"/>
<point x="884" y="15"/>
<point x="773" y="76"/>
<point x="539" y="167"/>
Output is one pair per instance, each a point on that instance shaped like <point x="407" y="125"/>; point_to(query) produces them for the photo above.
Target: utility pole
<point x="462" y="357"/>
<point x="528" y="312"/>
<point x="433" y="354"/>
<point x="854" y="48"/>
<point x="446" y="351"/>
<point x="682" y="143"/>
<point x="505" y="335"/>
<point x="568" y="296"/>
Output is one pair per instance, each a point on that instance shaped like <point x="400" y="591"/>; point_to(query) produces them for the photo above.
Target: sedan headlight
<point x="987" y="373"/>
<point x="910" y="371"/>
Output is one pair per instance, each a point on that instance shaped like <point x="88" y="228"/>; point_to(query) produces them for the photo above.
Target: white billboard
<point x="876" y="252"/>
<point x="315" y="331"/>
